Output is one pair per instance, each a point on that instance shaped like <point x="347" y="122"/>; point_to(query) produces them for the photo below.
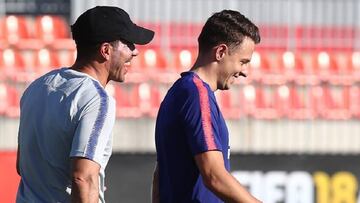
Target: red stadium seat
<point x="291" y="63"/>
<point x="127" y="101"/>
<point x="259" y="64"/>
<point x="300" y="67"/>
<point x="66" y="57"/>
<point x="259" y="102"/>
<point x="281" y="100"/>
<point x="317" y="100"/>
<point x="301" y="103"/>
<point x="325" y="64"/>
<point x="3" y="98"/>
<point x="13" y="66"/>
<point x="11" y="61"/>
<point x="342" y="63"/>
<point x="333" y="67"/>
<point x="275" y="73"/>
<point x="184" y="35"/>
<point x="154" y="59"/>
<point x="336" y="102"/>
<point x="262" y="69"/>
<point x="273" y="37"/>
<point x="248" y="94"/>
<point x="9" y="101"/>
<point x="45" y="60"/>
<point x="324" y="37"/>
<point x="150" y="99"/>
<point x="15" y="29"/>
<point x="54" y="31"/>
<point x="50" y="28"/>
<point x="184" y="58"/>
<point x="149" y="61"/>
<point x="331" y="102"/>
<point x="308" y="37"/>
<point x="353" y="61"/>
<point x="294" y="102"/>
<point x="155" y="101"/>
<point x="355" y="101"/>
<point x="13" y="102"/>
<point x="343" y="72"/>
<point x="157" y="65"/>
<point x="229" y="104"/>
<point x="144" y="91"/>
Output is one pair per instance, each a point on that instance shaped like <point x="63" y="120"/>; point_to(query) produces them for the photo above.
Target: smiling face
<point x="120" y="60"/>
<point x="234" y="63"/>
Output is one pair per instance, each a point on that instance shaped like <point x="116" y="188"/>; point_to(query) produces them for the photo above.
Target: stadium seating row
<point x="276" y="67"/>
<point x="34" y="32"/>
<point x="306" y="67"/>
<point x="26" y="65"/>
<point x="292" y="102"/>
<point x="307" y="37"/>
<point x="273" y="36"/>
<point x="261" y="102"/>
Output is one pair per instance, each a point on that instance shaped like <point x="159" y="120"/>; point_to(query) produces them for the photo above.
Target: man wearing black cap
<point x="66" y="121"/>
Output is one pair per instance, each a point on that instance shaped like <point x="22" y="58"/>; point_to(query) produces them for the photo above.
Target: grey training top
<point x="64" y="114"/>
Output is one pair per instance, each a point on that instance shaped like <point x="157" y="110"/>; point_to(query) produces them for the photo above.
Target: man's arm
<point x="219" y="180"/>
<point x="85" y="180"/>
<point x="155" y="186"/>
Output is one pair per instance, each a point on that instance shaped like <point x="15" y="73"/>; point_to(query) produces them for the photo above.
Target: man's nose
<point x="245" y="70"/>
<point x="135" y="52"/>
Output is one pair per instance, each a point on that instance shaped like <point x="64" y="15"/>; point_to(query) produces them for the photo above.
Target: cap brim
<point x="141" y="35"/>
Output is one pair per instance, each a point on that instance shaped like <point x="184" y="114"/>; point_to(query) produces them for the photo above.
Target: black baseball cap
<point x="105" y="24"/>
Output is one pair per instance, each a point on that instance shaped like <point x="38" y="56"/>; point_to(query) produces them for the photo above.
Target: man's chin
<point x="225" y="87"/>
<point x="119" y="79"/>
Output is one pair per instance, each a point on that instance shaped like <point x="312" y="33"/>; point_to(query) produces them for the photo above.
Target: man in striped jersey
<point x="191" y="136"/>
<point x="66" y="121"/>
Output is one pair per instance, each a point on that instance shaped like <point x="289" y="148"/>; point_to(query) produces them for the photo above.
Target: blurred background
<point x="293" y="123"/>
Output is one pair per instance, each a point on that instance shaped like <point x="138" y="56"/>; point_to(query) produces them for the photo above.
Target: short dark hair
<point x="88" y="51"/>
<point x="228" y="27"/>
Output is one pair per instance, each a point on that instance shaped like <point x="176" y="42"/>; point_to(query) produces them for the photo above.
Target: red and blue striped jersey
<point x="189" y="122"/>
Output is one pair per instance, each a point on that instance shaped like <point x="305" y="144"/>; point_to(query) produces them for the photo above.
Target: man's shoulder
<point x="187" y="85"/>
<point x="91" y="91"/>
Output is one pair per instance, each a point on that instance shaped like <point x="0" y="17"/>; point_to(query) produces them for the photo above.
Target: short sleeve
<point x="201" y="129"/>
<point x="94" y="129"/>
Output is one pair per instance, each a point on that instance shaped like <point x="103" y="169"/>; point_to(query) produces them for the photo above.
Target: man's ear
<point x="220" y="51"/>
<point x="105" y="50"/>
